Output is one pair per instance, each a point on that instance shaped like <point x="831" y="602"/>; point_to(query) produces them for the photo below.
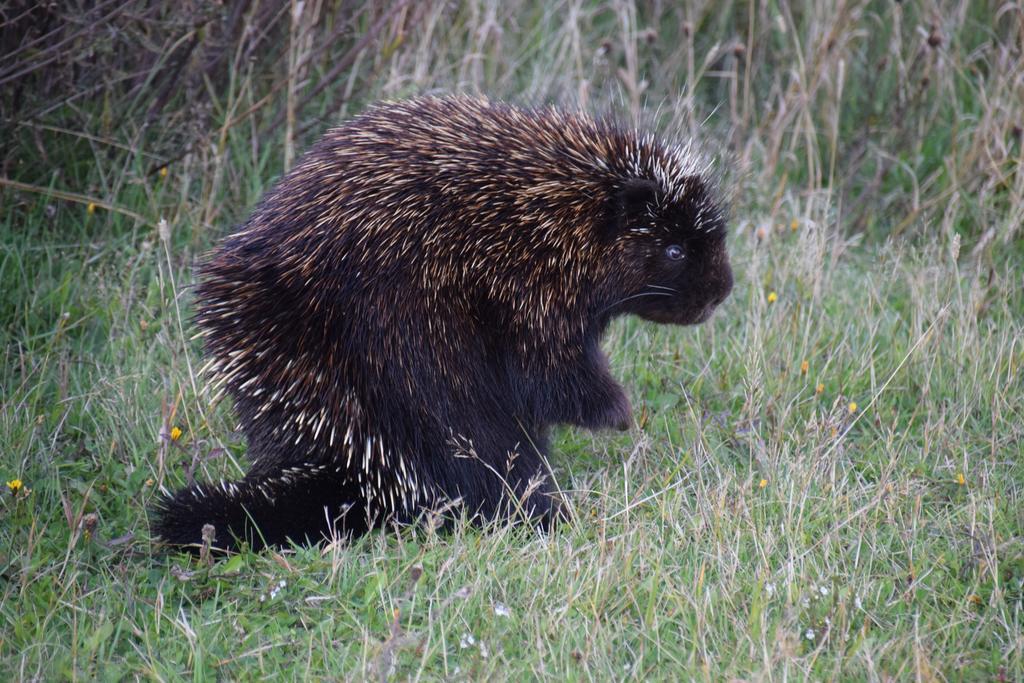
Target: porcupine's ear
<point x="630" y="205"/>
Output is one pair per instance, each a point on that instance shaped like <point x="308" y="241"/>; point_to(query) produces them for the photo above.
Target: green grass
<point x="750" y="527"/>
<point x="679" y="560"/>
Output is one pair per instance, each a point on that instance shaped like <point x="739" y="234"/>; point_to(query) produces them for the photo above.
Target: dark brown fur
<point x="408" y="311"/>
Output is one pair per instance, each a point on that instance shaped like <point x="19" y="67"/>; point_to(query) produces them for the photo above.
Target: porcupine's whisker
<point x="634" y="296"/>
<point x="672" y="290"/>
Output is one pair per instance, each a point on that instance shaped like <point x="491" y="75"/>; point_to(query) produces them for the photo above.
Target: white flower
<point x="809" y="635"/>
<point x="467" y="640"/>
<point x="502" y="610"/>
<point x="769" y="588"/>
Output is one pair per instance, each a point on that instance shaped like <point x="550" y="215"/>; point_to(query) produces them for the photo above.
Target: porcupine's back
<point x="381" y="265"/>
<point x="422" y="274"/>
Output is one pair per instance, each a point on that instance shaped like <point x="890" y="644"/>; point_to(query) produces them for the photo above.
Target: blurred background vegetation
<point x="902" y="111"/>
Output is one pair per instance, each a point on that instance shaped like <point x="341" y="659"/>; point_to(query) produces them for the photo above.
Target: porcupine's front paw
<point x="606" y="406"/>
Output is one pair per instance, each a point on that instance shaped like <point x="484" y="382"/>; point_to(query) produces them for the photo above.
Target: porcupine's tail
<point x="300" y="504"/>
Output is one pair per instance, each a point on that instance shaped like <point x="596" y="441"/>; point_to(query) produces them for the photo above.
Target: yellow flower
<point x="90" y="208"/>
<point x="149" y="482"/>
<point x="15" y="486"/>
<point x="762" y="483"/>
<point x="852" y="407"/>
<point x="163" y="171"/>
<point x="175" y="433"/>
<point x="819" y="389"/>
<point x="974" y="599"/>
<point x="804" y="367"/>
<point x="143" y="324"/>
<point x="772" y="297"/>
<point x="794" y="225"/>
<point x="960" y="479"/>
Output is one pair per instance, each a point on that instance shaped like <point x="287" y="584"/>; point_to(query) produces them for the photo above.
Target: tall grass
<point x="825" y="481"/>
<point x="908" y="112"/>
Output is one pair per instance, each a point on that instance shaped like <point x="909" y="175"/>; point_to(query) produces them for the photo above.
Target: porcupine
<point x="411" y="308"/>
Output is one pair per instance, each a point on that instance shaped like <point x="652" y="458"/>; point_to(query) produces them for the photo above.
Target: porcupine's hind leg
<point x="305" y="503"/>
<point x="531" y="494"/>
<point x="508" y="479"/>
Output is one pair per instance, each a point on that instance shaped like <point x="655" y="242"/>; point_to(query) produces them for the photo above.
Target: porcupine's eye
<point x="674" y="252"/>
